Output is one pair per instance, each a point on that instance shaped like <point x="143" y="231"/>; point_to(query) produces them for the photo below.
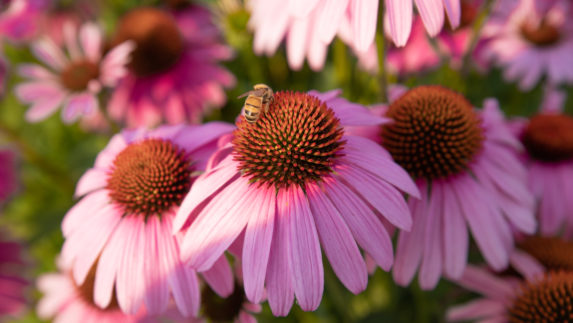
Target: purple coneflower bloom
<point x="174" y="74"/>
<point x="529" y="43"/>
<point x="294" y="182"/>
<point x="464" y="164"/>
<point x="130" y="197"/>
<point x="73" y="80"/>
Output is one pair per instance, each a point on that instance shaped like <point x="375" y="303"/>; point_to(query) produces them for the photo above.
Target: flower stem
<point x="476" y="32"/>
<point x="32" y="156"/>
<point x="381" y="50"/>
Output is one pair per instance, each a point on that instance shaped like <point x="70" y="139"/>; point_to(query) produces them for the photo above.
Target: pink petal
<point x="45" y="108"/>
<point x="474" y="202"/>
<point x="93" y="179"/>
<point x="400" y="20"/>
<point x="219" y="224"/>
<point x="485" y="283"/>
<point x="475" y="310"/>
<point x="196" y="137"/>
<point x="130" y="279"/>
<point x="35" y="91"/>
<point x="297" y="42"/>
<point x="331" y="11"/>
<point x="257" y="245"/>
<point x="432" y="257"/>
<point x="301" y="8"/>
<point x="91" y="41"/>
<point x="203" y="187"/>
<point x="526" y="265"/>
<point x="49" y="53"/>
<point x="365" y="13"/>
<point x="410" y="246"/>
<point x="362" y="222"/>
<point x="279" y="278"/>
<point x="384" y="198"/>
<point x="108" y="265"/>
<point x="316" y="51"/>
<point x="83" y="104"/>
<point x="454" y="11"/>
<point x="337" y="241"/>
<point x="182" y="280"/>
<point x="154" y="270"/>
<point x="33" y="71"/>
<point x="456" y="239"/>
<point x="366" y="154"/>
<point x="83" y="211"/>
<point x="432" y="14"/>
<point x="220" y="277"/>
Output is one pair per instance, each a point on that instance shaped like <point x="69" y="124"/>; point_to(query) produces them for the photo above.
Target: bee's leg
<point x="266" y="106"/>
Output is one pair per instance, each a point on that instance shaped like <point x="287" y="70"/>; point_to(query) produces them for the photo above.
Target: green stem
<point x="381" y="51"/>
<point x="476" y="32"/>
<point x="33" y="157"/>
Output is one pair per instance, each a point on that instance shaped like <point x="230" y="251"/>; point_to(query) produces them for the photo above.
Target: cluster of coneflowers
<point x="182" y="220"/>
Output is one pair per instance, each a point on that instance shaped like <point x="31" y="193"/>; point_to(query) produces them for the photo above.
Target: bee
<point x="257" y="99"/>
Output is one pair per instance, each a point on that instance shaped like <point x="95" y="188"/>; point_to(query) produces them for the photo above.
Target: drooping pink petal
<point x="400" y="20"/>
<point x="332" y="10"/>
<point x="365" y="154"/>
<point x="454" y="11"/>
<point x="154" y="273"/>
<point x="362" y="222"/>
<point x="526" y="265"/>
<point x="129" y="286"/>
<point x="475" y="310"/>
<point x="279" y="277"/>
<point x="220" y="277"/>
<point x="91" y="41"/>
<point x="305" y="257"/>
<point x="456" y="240"/>
<point x="383" y="197"/>
<point x="432" y="13"/>
<point x="219" y="224"/>
<point x="432" y="258"/>
<point x="365" y="14"/>
<point x="257" y="245"/>
<point x="483" y="282"/>
<point x="411" y="244"/>
<point x="337" y="241"/>
<point x="297" y="43"/>
<point x="194" y="138"/>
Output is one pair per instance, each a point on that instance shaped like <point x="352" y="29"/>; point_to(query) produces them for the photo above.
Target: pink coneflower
<point x="465" y="166"/>
<point x="12" y="286"/>
<point x="540" y="296"/>
<point x="73" y="80"/>
<point x="294" y="181"/>
<point x="529" y="44"/>
<point x="131" y="196"/>
<point x="548" y="139"/>
<point x="174" y="76"/>
<point x="7" y="174"/>
<point x="309" y="27"/>
<point x="64" y="301"/>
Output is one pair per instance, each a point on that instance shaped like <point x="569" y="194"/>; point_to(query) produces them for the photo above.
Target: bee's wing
<point x="245" y="94"/>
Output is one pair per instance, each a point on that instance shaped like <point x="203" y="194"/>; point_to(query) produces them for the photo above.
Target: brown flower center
<point x="541" y="35"/>
<point x="435" y="132"/>
<point x="77" y="76"/>
<point x="156" y="34"/>
<point x="218" y="309"/>
<point x="548" y="300"/>
<point x="549" y="138"/>
<point x="150" y="177"/>
<point x="86" y="291"/>
<point x="296" y="141"/>
<point x="553" y="253"/>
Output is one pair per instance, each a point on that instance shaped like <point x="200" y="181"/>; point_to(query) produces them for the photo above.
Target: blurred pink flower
<point x="64" y="301"/>
<point x="12" y="286"/>
<point x="131" y="197"/>
<point x="529" y="44"/>
<point x="465" y="166"/>
<point x="74" y="80"/>
<point x="20" y="20"/>
<point x="295" y="181"/>
<point x="548" y="139"/>
<point x="514" y="299"/>
<point x="174" y="74"/>
<point x="310" y="26"/>
<point x="7" y="174"/>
